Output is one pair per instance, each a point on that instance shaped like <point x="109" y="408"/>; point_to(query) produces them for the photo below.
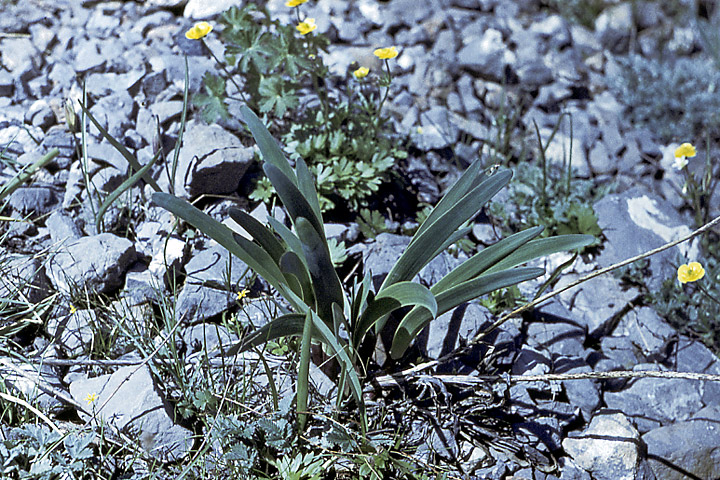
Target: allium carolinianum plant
<point x="298" y="265"/>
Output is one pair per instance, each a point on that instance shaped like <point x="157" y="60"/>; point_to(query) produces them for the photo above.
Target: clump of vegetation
<point x="675" y="99"/>
<point x="344" y="138"/>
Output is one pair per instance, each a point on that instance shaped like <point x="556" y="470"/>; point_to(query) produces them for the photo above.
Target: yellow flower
<point x="91" y="398"/>
<point x="198" y="31"/>
<point x="73" y="309"/>
<point x="307" y="26"/>
<point x="242" y="293"/>
<point x="361" y="72"/>
<point x="685" y="150"/>
<point x="386" y="53"/>
<point x="691" y="272"/>
<point x="294" y="3"/>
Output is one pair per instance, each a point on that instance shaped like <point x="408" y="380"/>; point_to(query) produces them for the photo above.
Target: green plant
<point x="344" y="139"/>
<point x="298" y="265"/>
<point x="697" y="191"/>
<point x="693" y="308"/>
<point x="675" y="99"/>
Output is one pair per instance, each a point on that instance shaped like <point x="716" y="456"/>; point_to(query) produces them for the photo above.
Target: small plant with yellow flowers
<point x="697" y="189"/>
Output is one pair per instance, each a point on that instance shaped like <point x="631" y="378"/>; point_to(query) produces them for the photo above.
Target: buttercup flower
<point x="294" y="3"/>
<point x="242" y="293"/>
<point x="73" y="309"/>
<point x="685" y="150"/>
<point x="691" y="272"/>
<point x="361" y="72"/>
<point x="307" y="26"/>
<point x="386" y="53"/>
<point x="91" y="398"/>
<point x="198" y="31"/>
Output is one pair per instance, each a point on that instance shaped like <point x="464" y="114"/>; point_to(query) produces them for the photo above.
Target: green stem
<point x="384" y="98"/>
<point x="707" y="294"/>
<point x="224" y="68"/>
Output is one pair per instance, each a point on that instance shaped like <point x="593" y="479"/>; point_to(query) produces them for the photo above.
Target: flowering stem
<point x="382" y="102"/>
<point x="227" y="73"/>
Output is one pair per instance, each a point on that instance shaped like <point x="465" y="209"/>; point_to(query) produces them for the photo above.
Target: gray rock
<point x="207" y="338"/>
<point x="213" y="277"/>
<point x="486" y="55"/>
<point x="454" y="329"/>
<point x="557" y="338"/>
<point x="74" y="331"/>
<point x="22" y="277"/>
<point x="17" y="53"/>
<point x="113" y="113"/>
<point x="534" y="73"/>
<point x="649" y="334"/>
<point x="146" y="418"/>
<point x="620" y="352"/>
<point x="592" y="311"/>
<point x="101" y="24"/>
<point x="167" y="112"/>
<point x="582" y="393"/>
<point x="62" y="228"/>
<point x="201" y="10"/>
<point x="96" y="263"/>
<point x="380" y="255"/>
<point x="689" y="449"/>
<point x="673" y="400"/>
<point x="613" y="27"/>
<point x="42" y="36"/>
<point x="609" y="449"/>
<point x="635" y="222"/>
<point x="693" y="356"/>
<point x="34" y="200"/>
<point x="88" y="56"/>
<point x="211" y="161"/>
<point x="27" y="384"/>
<point x="102" y="84"/>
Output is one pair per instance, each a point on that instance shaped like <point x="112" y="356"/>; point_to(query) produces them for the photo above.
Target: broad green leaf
<point x="326" y="283"/>
<point x="127" y="184"/>
<point x="417" y="318"/>
<point x="398" y="295"/>
<point x="294" y="201"/>
<point x="290" y="239"/>
<point x="259" y="232"/>
<point x="253" y="255"/>
<point x="283" y="326"/>
<point x="542" y="247"/>
<point x="457" y="235"/>
<point x="268" y="146"/>
<point x="306" y="184"/>
<point x="290" y="263"/>
<point x="467" y="181"/>
<point x="485" y="259"/>
<point x="121" y="148"/>
<point x="426" y="243"/>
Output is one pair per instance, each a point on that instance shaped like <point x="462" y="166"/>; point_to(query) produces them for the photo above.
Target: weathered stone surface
<point x="96" y="263"/>
<point x="211" y="161"/>
<point x="147" y="417"/>
<point x="635" y="222"/>
<point x="689" y="449"/>
<point x="609" y="449"/>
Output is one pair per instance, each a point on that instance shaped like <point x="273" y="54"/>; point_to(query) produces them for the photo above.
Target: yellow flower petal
<point x="91" y="398"/>
<point x="242" y="293"/>
<point x="307" y="26"/>
<point x="685" y="150"/>
<point x="361" y="72"/>
<point x="386" y="53"/>
<point x="294" y="3"/>
<point x="691" y="272"/>
<point x="198" y="31"/>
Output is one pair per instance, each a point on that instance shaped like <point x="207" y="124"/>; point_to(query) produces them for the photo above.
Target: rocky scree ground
<point x="464" y="64"/>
